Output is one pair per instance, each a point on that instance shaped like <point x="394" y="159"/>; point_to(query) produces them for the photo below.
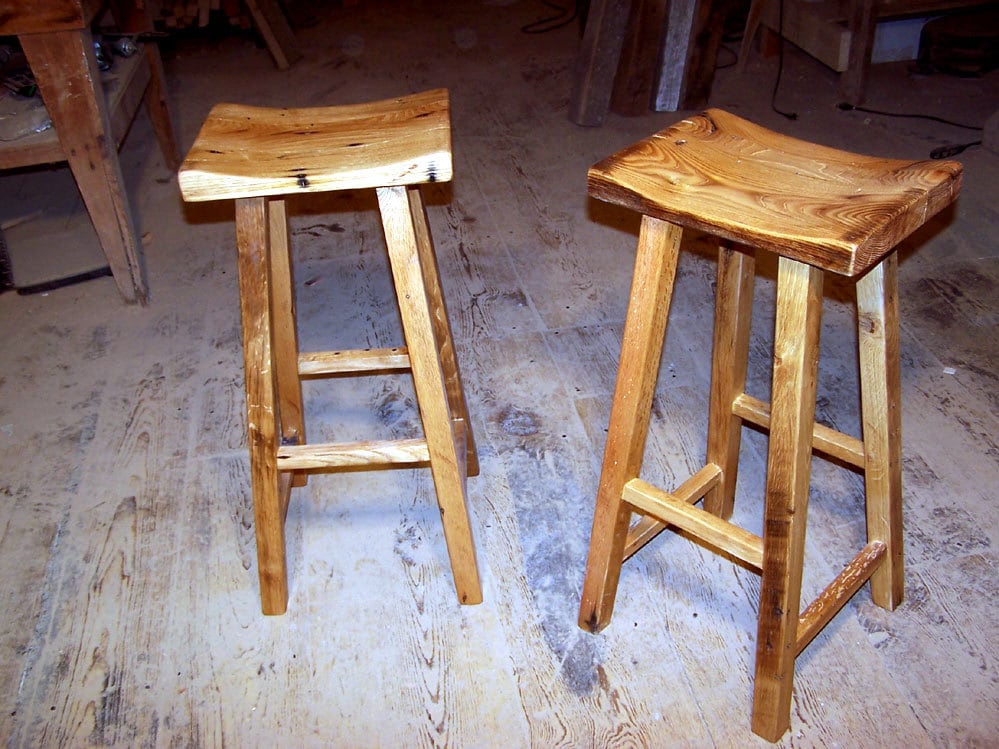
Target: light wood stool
<point x="256" y="155"/>
<point x="819" y="210"/>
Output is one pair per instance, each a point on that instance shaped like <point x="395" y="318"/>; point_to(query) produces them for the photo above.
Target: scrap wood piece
<point x="274" y="28"/>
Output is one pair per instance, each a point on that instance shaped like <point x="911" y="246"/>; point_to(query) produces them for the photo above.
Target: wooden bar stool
<point x="818" y="209"/>
<point x="258" y="155"/>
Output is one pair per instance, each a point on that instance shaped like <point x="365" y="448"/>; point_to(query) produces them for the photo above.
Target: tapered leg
<point x="796" y="353"/>
<point x="64" y="66"/>
<point x="156" y="106"/>
<point x="431" y="389"/>
<point x="641" y="351"/>
<point x="733" y="315"/>
<point x="881" y="387"/>
<point x="252" y="238"/>
<point x="285" y="333"/>
<point x="442" y="329"/>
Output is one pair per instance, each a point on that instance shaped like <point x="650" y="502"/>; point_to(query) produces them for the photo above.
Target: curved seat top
<point x="246" y="151"/>
<point x="836" y="210"/>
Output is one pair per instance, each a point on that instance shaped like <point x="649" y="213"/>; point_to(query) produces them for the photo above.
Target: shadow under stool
<point x="257" y="156"/>
<point x="819" y="210"/>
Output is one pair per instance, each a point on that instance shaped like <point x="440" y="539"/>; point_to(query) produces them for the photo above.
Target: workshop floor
<point x="129" y="611"/>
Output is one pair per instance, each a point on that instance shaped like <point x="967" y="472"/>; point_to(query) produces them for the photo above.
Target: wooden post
<point x="637" y="72"/>
<point x="597" y="62"/>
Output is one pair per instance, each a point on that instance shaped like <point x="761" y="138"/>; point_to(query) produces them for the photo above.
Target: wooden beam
<point x="636" y="72"/>
<point x="597" y="62"/>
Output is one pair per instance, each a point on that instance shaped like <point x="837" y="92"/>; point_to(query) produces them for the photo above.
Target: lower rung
<point x="675" y="509"/>
<point x="354" y="361"/>
<point x="353" y="454"/>
<point x="850" y="579"/>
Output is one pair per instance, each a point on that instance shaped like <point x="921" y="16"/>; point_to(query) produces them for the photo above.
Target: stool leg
<point x="285" y="333"/>
<point x="252" y="240"/>
<point x="442" y="329"/>
<point x="796" y="353"/>
<point x="431" y="389"/>
<point x="730" y="352"/>
<point x="881" y="387"/>
<point x="638" y="370"/>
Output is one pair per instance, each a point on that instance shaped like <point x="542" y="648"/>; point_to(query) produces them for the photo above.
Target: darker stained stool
<point x="257" y="156"/>
<point x="819" y="210"/>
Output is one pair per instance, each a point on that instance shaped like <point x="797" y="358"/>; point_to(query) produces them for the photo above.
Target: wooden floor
<point x="129" y="612"/>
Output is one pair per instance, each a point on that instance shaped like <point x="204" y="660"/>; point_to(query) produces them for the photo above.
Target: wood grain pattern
<point x="597" y="62"/>
<point x="835" y="595"/>
<point x="253" y="236"/>
<point x="677" y="510"/>
<point x="729" y="358"/>
<point x="881" y="392"/>
<point x="641" y="351"/>
<point x="824" y="440"/>
<point x="442" y="331"/>
<point x="319" y="363"/>
<point x="353" y="454"/>
<point x="836" y="210"/>
<point x="270" y="20"/>
<point x="399" y="141"/>
<point x="796" y="356"/>
<point x="431" y="388"/>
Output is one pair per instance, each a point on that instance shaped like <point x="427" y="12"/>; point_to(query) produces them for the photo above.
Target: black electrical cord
<point x="943" y="152"/>
<point x="780" y="65"/>
<point x="848" y="107"/>
<point x="544" y="25"/>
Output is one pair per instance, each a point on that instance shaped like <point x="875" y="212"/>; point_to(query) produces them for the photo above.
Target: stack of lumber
<point x="184" y="14"/>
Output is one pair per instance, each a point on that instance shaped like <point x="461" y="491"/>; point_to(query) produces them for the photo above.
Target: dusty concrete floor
<point x="129" y="596"/>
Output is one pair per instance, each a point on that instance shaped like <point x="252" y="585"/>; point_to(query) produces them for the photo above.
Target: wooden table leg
<point x="64" y="67"/>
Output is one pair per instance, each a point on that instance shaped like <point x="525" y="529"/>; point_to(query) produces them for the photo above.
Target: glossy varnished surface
<point x="245" y="151"/>
<point x="837" y="210"/>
